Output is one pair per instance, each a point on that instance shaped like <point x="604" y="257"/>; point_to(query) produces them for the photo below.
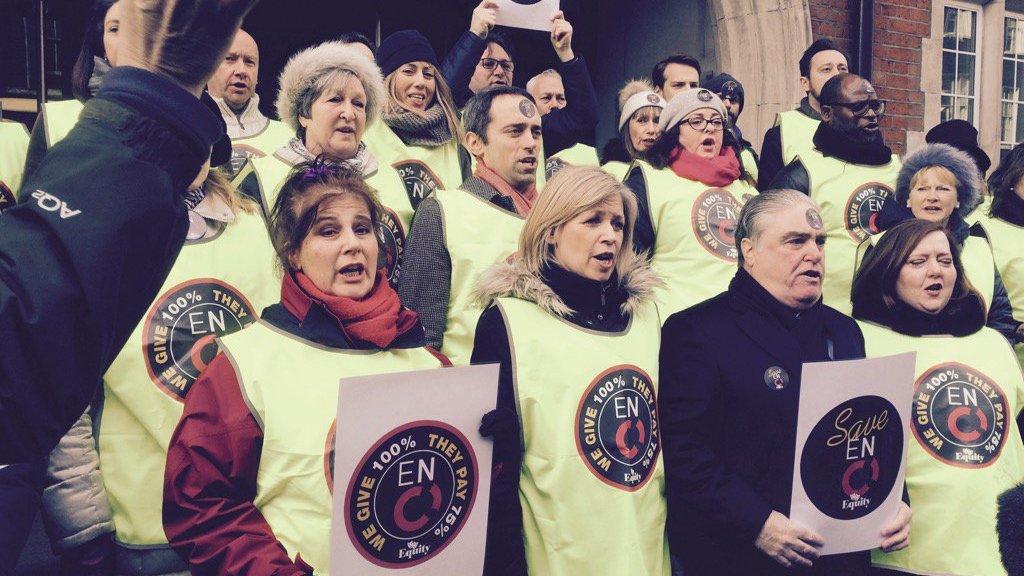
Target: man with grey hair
<point x="456" y="234"/>
<point x="730" y="372"/>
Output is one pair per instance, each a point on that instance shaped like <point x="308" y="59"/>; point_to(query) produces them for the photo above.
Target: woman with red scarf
<point x="250" y="466"/>
<point x="690" y="191"/>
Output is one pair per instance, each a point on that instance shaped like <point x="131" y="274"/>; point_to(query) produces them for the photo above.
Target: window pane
<point x="1018" y="135"/>
<point x="965" y="75"/>
<point x="948" y="71"/>
<point x="946" y="112"/>
<point x="949" y="29"/>
<point x="1018" y="93"/>
<point x="1020" y="125"/>
<point x="1007" y="128"/>
<point x="967" y="112"/>
<point x="1009" y="29"/>
<point x="966" y="30"/>
<point x="1008" y="80"/>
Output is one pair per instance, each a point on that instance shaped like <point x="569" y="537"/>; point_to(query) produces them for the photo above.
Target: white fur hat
<point x="307" y="66"/>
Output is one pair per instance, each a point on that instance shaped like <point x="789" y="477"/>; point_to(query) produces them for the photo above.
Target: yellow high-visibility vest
<point x="796" y="132"/>
<point x="851" y="197"/>
<point x="422" y="169"/>
<point x="695" y="249"/>
<point x="293" y="393"/>
<point x="592" y="482"/>
<point x="1006" y="240"/>
<point x="14" y="140"/>
<point x="477" y="234"/>
<point x="215" y="287"/>
<point x="965" y="449"/>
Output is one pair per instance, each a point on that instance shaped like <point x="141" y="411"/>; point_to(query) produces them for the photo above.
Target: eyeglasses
<point x="861" y="108"/>
<point x="490" y="63"/>
<point x="700" y="124"/>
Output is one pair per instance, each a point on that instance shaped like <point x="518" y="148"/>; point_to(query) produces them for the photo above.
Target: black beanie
<point x="726" y="84"/>
<point x="402" y="47"/>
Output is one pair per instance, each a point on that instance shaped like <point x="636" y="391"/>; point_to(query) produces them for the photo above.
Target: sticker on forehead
<point x="527" y="108"/>
<point x="814" y="219"/>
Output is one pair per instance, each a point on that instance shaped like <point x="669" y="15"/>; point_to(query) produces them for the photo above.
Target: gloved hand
<point x="184" y="40"/>
<point x="499" y="422"/>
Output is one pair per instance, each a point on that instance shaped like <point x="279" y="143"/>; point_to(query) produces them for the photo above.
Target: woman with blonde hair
<point x="574" y="327"/>
<point x="419" y="136"/>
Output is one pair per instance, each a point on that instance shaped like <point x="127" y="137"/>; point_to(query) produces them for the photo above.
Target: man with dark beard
<point x="850" y="173"/>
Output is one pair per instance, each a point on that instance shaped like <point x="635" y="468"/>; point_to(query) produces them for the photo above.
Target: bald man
<point x="233" y="87"/>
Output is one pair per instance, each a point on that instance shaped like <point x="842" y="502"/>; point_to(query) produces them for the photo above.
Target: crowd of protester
<point x="183" y="279"/>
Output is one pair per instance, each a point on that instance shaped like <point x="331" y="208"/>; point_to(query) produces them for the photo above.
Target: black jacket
<point x="596" y="307"/>
<point x="83" y="255"/>
<point x="563" y="128"/>
<point x="729" y="436"/>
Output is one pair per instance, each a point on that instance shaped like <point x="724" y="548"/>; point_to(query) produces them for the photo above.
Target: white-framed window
<point x="961" y="40"/>
<point x="1011" y="124"/>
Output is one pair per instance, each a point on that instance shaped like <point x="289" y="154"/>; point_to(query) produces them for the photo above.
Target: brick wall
<point x="898" y="28"/>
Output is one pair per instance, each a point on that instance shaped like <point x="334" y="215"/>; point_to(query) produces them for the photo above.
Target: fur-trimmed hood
<point x="959" y="163"/>
<point x="511" y="278"/>
<point x="308" y="65"/>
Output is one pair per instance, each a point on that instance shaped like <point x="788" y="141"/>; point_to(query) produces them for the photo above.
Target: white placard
<point x="412" y="473"/>
<point x="529" y="14"/>
<point x="851" y="448"/>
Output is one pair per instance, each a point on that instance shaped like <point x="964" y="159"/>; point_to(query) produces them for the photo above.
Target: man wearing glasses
<point x="850" y="172"/>
<point x="482" y="58"/>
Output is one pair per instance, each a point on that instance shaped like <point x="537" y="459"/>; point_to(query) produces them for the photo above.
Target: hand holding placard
<point x="484" y="17"/>
<point x="787" y="542"/>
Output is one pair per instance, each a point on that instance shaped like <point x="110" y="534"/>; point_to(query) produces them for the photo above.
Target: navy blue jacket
<point x="729" y="436"/>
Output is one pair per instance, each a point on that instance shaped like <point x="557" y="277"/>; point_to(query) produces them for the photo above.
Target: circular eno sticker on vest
<point x="418" y="178"/>
<point x="392" y="237"/>
<point x="715" y="214"/>
<point x="180" y="328"/>
<point x="553" y="166"/>
<point x="852" y="457"/>
<point x="863" y="208"/>
<point x="411" y="494"/>
<point x="960" y="415"/>
<point x="617" y="433"/>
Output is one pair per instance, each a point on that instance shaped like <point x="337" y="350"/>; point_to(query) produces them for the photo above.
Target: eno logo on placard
<point x="411" y="493"/>
<point x="852" y="457"/>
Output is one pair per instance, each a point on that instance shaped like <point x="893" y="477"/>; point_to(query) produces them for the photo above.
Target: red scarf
<point x="523" y="201"/>
<point x="719" y="171"/>
<point x="377" y="318"/>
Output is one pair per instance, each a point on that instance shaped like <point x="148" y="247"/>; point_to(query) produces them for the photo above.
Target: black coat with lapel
<point x="729" y="389"/>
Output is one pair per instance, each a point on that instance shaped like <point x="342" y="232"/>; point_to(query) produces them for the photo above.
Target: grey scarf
<point x="295" y="152"/>
<point x="431" y="129"/>
<point x="100" y="67"/>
